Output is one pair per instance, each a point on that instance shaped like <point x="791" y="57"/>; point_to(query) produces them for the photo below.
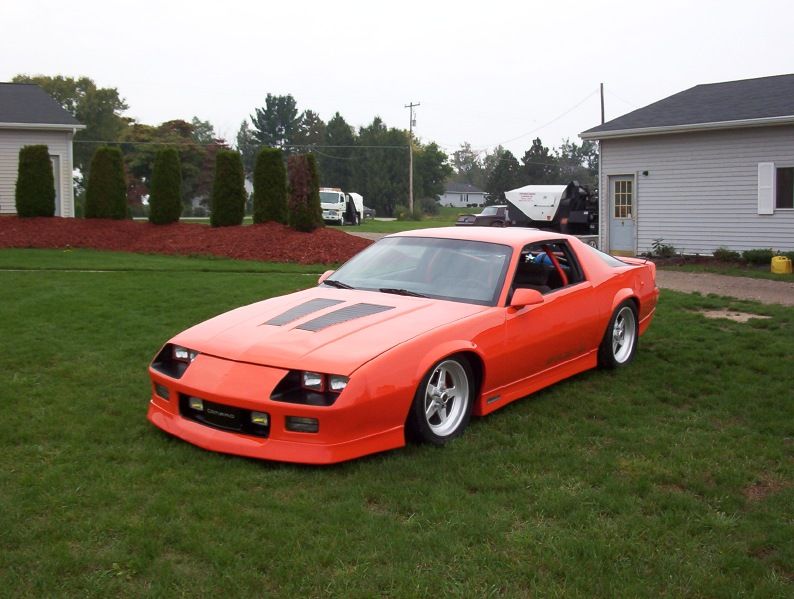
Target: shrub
<point x="228" y="190"/>
<point x="759" y="256"/>
<point x="106" y="192"/>
<point x="789" y="255"/>
<point x="270" y="187"/>
<point x="725" y="255"/>
<point x="314" y="196"/>
<point x="429" y="206"/>
<point x="165" y="199"/>
<point x="662" y="249"/>
<point x="403" y="213"/>
<point x="305" y="213"/>
<point x="35" y="192"/>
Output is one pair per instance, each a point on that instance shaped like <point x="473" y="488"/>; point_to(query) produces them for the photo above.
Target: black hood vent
<point x="342" y="315"/>
<point x="302" y="310"/>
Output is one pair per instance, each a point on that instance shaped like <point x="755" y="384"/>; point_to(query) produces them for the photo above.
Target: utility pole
<point x="411" y="124"/>
<point x="602" y="103"/>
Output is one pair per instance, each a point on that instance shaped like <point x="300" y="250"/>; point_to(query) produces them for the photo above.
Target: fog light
<point x="260" y="418"/>
<point x="299" y="424"/>
<point x="337" y="383"/>
<point x="313" y="381"/>
<point x="161" y="390"/>
<point x="196" y="404"/>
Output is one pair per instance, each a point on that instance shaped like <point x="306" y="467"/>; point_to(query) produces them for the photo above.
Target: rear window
<point x="606" y="258"/>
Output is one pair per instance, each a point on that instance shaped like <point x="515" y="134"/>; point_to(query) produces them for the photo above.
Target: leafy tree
<point x="99" y="109"/>
<point x="431" y="170"/>
<point x="467" y="166"/>
<point x="277" y="124"/>
<point x="380" y="171"/>
<point x="202" y="131"/>
<point x="304" y="195"/>
<point x="165" y="201"/>
<point x="270" y="186"/>
<point x="336" y="169"/>
<point x="106" y="192"/>
<point x="539" y="166"/>
<point x="505" y="176"/>
<point x="311" y="129"/>
<point x="228" y="190"/>
<point x="578" y="163"/>
<point x="247" y="146"/>
<point x="35" y="190"/>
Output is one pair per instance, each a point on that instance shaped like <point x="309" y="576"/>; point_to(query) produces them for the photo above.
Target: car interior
<point x="545" y="267"/>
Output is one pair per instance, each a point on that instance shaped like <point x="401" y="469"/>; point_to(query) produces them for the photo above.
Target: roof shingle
<point x="27" y="103"/>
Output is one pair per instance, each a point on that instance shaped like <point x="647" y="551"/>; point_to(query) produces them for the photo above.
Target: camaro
<point x="409" y="338"/>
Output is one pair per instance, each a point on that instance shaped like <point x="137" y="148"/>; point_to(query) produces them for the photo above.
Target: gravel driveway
<point x="747" y="288"/>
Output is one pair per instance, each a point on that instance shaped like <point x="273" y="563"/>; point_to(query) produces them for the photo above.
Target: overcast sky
<point x="486" y="72"/>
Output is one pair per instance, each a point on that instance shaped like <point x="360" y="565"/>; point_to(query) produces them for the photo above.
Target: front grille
<point x="221" y="416"/>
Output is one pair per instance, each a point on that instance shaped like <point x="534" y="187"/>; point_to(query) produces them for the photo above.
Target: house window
<point x="784" y="196"/>
<point x="623" y="199"/>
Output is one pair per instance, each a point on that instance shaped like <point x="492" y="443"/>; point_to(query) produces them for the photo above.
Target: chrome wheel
<point x="624" y="334"/>
<point x="446" y="398"/>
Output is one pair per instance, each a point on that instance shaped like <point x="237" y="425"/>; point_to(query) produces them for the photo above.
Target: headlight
<point x="313" y="380"/>
<point x="337" y="383"/>
<point x="184" y="354"/>
<point x="309" y="388"/>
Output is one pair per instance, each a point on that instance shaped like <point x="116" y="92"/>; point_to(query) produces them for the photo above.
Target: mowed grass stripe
<point x="671" y="477"/>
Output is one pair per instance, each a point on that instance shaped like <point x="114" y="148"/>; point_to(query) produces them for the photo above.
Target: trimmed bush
<point x="314" y="197"/>
<point x="305" y="213"/>
<point x="165" y="199"/>
<point x="760" y="256"/>
<point x="227" y="204"/>
<point x="725" y="255"/>
<point x="270" y="187"/>
<point x="35" y="192"/>
<point x="106" y="191"/>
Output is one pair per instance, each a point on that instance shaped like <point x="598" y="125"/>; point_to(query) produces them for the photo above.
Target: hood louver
<point x="342" y="315"/>
<point x="302" y="310"/>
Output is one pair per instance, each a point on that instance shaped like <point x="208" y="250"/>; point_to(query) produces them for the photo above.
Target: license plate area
<point x="222" y="416"/>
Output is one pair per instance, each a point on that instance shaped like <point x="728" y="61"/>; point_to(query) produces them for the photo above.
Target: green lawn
<point x="734" y="270"/>
<point x="672" y="477"/>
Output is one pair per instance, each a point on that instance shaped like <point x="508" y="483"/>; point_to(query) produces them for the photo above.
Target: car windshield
<point x="451" y="269"/>
<point x="489" y="211"/>
<point x="330" y="197"/>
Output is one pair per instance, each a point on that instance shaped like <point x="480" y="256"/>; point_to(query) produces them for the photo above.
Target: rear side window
<point x="606" y="258"/>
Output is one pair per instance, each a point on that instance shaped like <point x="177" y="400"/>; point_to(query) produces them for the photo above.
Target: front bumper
<point x="347" y="429"/>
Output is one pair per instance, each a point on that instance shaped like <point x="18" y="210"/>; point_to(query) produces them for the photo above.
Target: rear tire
<point x="619" y="345"/>
<point x="443" y="402"/>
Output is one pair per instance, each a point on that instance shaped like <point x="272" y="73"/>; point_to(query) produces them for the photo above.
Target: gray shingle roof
<point x="29" y="104"/>
<point x="765" y="97"/>
<point x="461" y="188"/>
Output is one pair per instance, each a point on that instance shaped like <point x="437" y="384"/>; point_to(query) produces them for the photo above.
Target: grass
<point x="734" y="270"/>
<point x="672" y="477"/>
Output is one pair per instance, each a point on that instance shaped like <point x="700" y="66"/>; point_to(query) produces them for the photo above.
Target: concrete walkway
<point x="747" y="288"/>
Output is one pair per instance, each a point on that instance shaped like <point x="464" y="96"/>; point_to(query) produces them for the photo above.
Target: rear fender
<point x="621" y="296"/>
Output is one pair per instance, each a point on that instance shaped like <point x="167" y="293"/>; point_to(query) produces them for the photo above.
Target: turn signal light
<point x="300" y="424"/>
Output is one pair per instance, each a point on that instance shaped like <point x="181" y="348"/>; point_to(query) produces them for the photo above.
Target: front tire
<point x="619" y="345"/>
<point x="442" y="405"/>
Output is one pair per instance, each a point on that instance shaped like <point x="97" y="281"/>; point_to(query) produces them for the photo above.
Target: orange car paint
<point x="516" y="350"/>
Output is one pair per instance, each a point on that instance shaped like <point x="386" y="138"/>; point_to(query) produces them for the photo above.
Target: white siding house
<point x="710" y="167"/>
<point x="462" y="195"/>
<point x="28" y="116"/>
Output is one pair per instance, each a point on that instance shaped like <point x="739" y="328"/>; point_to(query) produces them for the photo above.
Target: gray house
<point x="29" y="116"/>
<point x="462" y="195"/>
<point x="708" y="167"/>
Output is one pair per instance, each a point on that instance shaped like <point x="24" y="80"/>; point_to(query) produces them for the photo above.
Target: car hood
<point x="337" y="330"/>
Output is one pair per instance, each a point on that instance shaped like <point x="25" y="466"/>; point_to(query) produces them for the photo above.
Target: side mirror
<point x="526" y="297"/>
<point x="324" y="276"/>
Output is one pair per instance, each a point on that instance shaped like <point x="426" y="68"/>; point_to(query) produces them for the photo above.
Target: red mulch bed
<point x="268" y="242"/>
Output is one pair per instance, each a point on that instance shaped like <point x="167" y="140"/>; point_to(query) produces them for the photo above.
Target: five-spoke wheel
<point x="620" y="340"/>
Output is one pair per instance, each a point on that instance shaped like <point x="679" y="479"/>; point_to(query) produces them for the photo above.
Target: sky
<point x="487" y="72"/>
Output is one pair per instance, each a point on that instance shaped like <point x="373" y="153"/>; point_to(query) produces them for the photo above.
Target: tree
<point x="202" y="131"/>
<point x="380" y="171"/>
<point x="539" y="166"/>
<point x="314" y="190"/>
<point x="578" y="163"/>
<point x="505" y="176"/>
<point x="335" y="160"/>
<point x="165" y="200"/>
<point x="277" y="124"/>
<point x="270" y="187"/>
<point x="467" y="166"/>
<point x="304" y="195"/>
<point x="311" y="129"/>
<point x="99" y="109"/>
<point x="431" y="170"/>
<point x="35" y="190"/>
<point x="247" y="146"/>
<point x="228" y="190"/>
<point x="106" y="192"/>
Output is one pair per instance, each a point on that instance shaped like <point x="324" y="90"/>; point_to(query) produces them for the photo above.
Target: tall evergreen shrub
<point x="228" y="190"/>
<point x="314" y="193"/>
<point x="106" y="191"/>
<point x="305" y="213"/>
<point x="35" y="191"/>
<point x="270" y="187"/>
<point x="165" y="199"/>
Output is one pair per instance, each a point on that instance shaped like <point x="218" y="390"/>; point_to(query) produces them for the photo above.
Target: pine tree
<point x="106" y="192"/>
<point x="35" y="190"/>
<point x="165" y="199"/>
<point x="270" y="187"/>
<point x="228" y="190"/>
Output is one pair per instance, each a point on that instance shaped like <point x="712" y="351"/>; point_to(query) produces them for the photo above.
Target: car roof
<point x="513" y="236"/>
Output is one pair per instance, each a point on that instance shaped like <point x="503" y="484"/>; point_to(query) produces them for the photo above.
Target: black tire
<point x="437" y="427"/>
<point x="497" y="223"/>
<point x="616" y="350"/>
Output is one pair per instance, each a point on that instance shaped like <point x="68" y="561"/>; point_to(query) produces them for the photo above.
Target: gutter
<point x="668" y="129"/>
<point x="43" y="126"/>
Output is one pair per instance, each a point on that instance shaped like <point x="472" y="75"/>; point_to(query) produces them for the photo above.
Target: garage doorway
<point x="622" y="215"/>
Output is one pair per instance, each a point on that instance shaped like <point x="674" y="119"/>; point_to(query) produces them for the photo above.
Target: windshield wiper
<point x="337" y="284"/>
<point x="400" y="292"/>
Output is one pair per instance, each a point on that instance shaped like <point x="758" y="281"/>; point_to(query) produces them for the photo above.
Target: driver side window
<point x="547" y="266"/>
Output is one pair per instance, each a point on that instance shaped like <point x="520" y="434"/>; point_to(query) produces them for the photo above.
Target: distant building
<point x="462" y="195"/>
<point x="709" y="167"/>
<point x="29" y="116"/>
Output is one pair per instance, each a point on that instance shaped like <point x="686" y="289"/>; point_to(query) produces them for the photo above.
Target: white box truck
<point x="341" y="208"/>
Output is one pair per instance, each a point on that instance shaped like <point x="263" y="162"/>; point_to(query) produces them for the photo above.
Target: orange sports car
<point x="409" y="338"/>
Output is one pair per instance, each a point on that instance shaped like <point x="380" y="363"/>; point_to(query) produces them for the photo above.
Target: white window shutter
<point x="766" y="187"/>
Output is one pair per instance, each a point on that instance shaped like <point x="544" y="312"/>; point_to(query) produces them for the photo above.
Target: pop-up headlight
<point x="309" y="388"/>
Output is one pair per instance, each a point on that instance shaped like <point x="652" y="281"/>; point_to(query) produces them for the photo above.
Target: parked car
<point x="412" y="336"/>
<point x="491" y="216"/>
<point x="369" y="212"/>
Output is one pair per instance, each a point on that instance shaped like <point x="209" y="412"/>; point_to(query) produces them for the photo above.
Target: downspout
<point x="602" y="211"/>
<point x="71" y="171"/>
